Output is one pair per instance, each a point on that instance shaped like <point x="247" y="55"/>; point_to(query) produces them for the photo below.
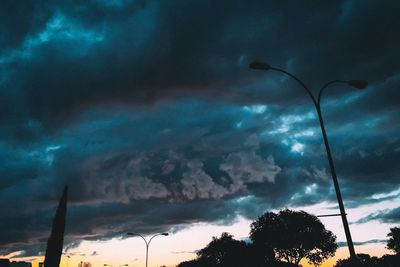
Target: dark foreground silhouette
<point x="365" y="260"/>
<point x="55" y="242"/>
<point x="278" y="239"/>
<point x="8" y="263"/>
<point x="283" y="239"/>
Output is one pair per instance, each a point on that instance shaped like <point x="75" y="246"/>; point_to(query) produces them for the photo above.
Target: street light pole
<point x="317" y="103"/>
<point x="147" y="242"/>
<point x="68" y="255"/>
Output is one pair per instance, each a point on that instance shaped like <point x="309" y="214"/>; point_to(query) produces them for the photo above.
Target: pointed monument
<point x="56" y="239"/>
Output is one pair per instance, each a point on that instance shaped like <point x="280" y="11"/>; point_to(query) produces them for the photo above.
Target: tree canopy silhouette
<point x="224" y="251"/>
<point x="294" y="235"/>
<point x="190" y="263"/>
<point x="394" y="240"/>
<point x="363" y="260"/>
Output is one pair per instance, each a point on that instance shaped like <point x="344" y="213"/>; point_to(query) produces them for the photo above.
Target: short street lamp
<point x="147" y="242"/>
<point x="68" y="257"/>
<point x="358" y="84"/>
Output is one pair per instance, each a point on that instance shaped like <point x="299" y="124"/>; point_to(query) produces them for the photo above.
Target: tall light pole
<point x="317" y="103"/>
<point x="147" y="242"/>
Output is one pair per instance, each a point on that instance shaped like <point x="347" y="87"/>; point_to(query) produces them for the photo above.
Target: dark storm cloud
<point x="17" y="20"/>
<point x="94" y="53"/>
<point x="112" y="181"/>
<point x="148" y="111"/>
<point x="372" y="241"/>
<point x="387" y="216"/>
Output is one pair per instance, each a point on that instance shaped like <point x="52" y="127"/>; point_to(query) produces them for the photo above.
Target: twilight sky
<point x="148" y="111"/>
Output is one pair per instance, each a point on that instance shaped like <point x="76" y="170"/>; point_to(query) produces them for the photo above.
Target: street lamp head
<point x="256" y="65"/>
<point x="131" y="234"/>
<point x="359" y="84"/>
<point x="165" y="234"/>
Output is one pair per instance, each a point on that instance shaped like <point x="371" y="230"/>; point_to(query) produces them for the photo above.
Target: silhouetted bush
<point x="365" y="260"/>
<point x="361" y="261"/>
<point x="191" y="263"/>
<point x="390" y="261"/>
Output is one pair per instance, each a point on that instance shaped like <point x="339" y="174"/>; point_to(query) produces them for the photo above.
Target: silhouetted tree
<point x="224" y="251"/>
<point x="394" y="240"/>
<point x="292" y="236"/>
<point x="261" y="255"/>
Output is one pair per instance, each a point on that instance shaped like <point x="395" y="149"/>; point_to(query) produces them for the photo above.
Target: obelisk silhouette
<point x="56" y="239"/>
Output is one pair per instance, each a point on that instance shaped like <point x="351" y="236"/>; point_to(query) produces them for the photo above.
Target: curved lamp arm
<point x="256" y="65"/>
<point x="164" y="234"/>
<point x="136" y="234"/>
<point x="358" y="84"/>
<point x="299" y="81"/>
<point x="325" y="86"/>
<point x="147" y="243"/>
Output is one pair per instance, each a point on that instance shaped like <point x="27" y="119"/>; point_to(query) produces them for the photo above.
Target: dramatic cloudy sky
<point x="148" y="111"/>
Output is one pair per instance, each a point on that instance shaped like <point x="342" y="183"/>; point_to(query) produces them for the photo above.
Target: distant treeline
<point x="284" y="239"/>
